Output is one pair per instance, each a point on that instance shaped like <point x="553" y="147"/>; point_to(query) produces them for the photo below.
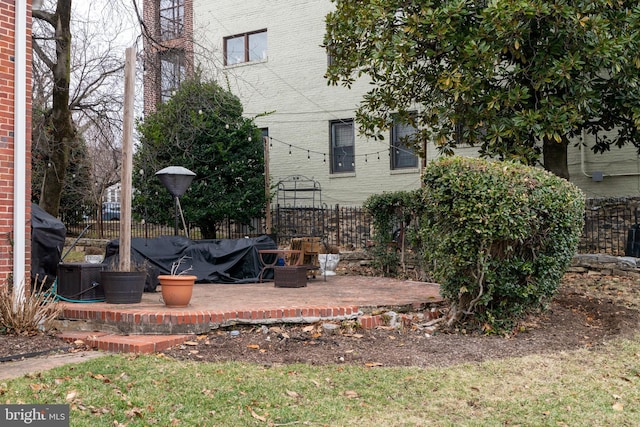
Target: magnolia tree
<point x="202" y="129"/>
<point x="515" y="78"/>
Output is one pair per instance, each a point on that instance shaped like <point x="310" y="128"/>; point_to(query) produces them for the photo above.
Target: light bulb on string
<point x="308" y="155"/>
<point x="365" y="158"/>
<point x="289" y="149"/>
<point x="324" y="158"/>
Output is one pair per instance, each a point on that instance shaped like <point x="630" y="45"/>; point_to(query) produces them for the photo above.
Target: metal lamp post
<point x="176" y="179"/>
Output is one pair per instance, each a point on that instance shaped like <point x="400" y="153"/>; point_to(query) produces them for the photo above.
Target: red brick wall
<point x="7" y="69"/>
<point x="153" y="45"/>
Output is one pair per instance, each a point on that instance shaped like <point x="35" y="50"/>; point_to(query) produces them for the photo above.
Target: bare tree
<point x="77" y="97"/>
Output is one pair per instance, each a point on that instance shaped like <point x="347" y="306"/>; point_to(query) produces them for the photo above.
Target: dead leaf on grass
<point x="373" y="364"/>
<point x="309" y="328"/>
<point x="37" y="386"/>
<point x="292" y="394"/>
<point x="618" y="406"/>
<point x="351" y="394"/>
<point x="71" y="395"/>
<point x="134" y="413"/>
<point x="256" y="416"/>
<point x="253" y="346"/>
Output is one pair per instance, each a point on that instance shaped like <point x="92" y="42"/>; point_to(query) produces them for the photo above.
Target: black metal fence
<point x="609" y="224"/>
<point x="610" y="227"/>
<point x="346" y="227"/>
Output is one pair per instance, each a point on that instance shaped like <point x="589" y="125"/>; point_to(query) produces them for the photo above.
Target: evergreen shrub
<point x="498" y="237"/>
<point x="391" y="212"/>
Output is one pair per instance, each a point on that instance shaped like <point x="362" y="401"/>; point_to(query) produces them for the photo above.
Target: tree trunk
<point x="60" y="122"/>
<point x="555" y="156"/>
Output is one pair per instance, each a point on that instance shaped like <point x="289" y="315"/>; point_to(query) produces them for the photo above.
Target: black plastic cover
<point x="47" y="243"/>
<point x="211" y="261"/>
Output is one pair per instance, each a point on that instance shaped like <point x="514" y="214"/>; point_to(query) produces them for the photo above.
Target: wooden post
<point x="267" y="185"/>
<point x="127" y="161"/>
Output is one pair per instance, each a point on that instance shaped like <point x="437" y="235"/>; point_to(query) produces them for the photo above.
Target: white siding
<point x="620" y="168"/>
<point x="291" y="85"/>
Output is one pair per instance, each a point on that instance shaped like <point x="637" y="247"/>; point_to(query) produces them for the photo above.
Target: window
<point x="171" y="18"/>
<point x="248" y="47"/>
<point x="172" y="72"/>
<point x="342" y="146"/>
<point x="329" y="48"/>
<point x="402" y="156"/>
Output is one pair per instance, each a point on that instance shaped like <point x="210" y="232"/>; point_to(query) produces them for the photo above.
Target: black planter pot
<point x="123" y="287"/>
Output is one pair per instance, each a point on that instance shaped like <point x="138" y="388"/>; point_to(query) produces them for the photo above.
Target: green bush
<point x="391" y="212"/>
<point x="498" y="235"/>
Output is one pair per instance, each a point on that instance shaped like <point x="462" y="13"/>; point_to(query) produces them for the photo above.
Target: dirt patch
<point x="588" y="311"/>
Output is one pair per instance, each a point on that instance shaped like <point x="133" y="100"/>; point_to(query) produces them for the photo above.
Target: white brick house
<point x="269" y="54"/>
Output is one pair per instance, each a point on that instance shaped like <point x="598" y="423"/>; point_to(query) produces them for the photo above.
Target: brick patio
<point x="150" y="326"/>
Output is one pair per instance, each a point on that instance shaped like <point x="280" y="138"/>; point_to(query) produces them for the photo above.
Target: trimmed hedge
<point x="498" y="235"/>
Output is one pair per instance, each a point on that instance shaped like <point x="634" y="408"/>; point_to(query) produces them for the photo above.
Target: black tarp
<point x="212" y="261"/>
<point x="47" y="243"/>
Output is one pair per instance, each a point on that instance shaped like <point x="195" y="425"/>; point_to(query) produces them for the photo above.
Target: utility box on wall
<point x="80" y="281"/>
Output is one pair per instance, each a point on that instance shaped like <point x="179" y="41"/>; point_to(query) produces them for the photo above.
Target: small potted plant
<point x="177" y="287"/>
<point x="329" y="260"/>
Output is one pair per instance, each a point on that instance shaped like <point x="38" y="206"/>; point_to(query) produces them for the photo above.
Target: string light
<point x="324" y="154"/>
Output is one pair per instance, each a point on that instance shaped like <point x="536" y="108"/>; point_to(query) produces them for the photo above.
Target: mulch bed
<point x="588" y="311"/>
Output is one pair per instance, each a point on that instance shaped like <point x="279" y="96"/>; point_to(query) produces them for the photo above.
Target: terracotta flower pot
<point x="176" y="290"/>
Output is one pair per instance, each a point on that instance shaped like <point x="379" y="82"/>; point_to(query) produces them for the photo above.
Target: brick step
<point x="114" y="343"/>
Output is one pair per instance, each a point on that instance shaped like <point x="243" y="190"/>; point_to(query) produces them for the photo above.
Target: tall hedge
<point x="498" y="235"/>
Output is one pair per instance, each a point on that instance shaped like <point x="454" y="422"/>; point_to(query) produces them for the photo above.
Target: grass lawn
<point x="598" y="387"/>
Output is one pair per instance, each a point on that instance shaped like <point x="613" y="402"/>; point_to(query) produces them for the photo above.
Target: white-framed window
<point x="172" y="72"/>
<point x="247" y="47"/>
<point x="402" y="155"/>
<point x="342" y="146"/>
<point x="171" y="18"/>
